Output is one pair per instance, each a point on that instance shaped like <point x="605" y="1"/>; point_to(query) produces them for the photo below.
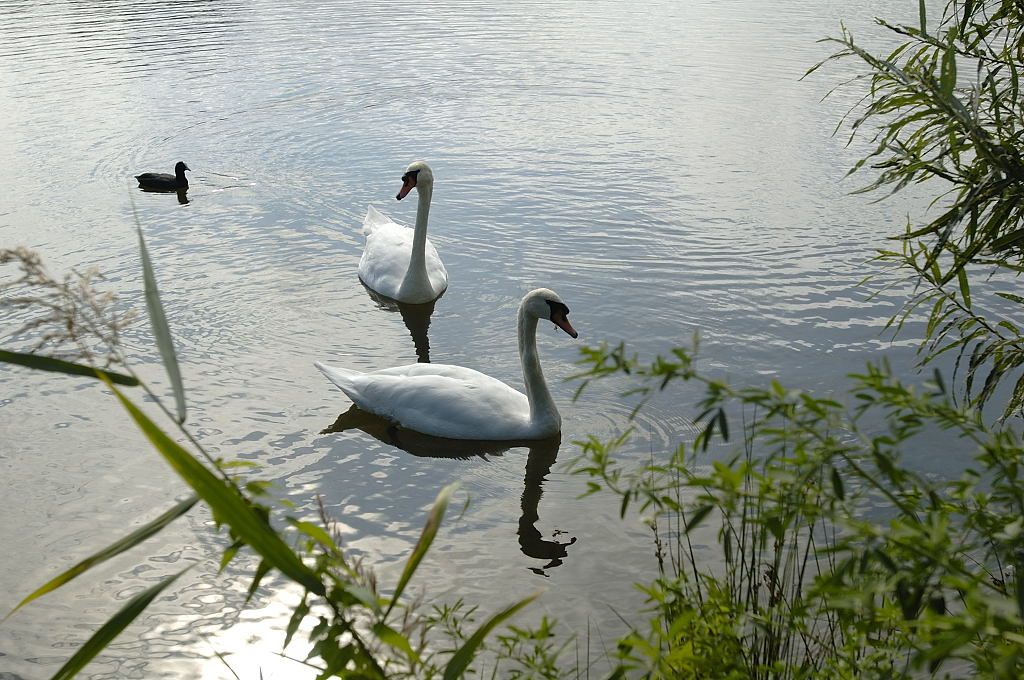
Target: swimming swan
<point x="460" y="403"/>
<point x="399" y="262"/>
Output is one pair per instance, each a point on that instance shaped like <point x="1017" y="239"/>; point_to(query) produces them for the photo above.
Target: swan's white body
<point x="398" y="262"/>
<point x="460" y="403"/>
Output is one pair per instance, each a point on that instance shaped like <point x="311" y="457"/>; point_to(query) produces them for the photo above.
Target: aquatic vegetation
<point x="832" y="556"/>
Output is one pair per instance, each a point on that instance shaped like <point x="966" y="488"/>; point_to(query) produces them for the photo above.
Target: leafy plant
<point x="834" y="557"/>
<point x="945" y="107"/>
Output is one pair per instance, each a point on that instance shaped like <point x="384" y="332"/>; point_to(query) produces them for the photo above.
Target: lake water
<point x="661" y="167"/>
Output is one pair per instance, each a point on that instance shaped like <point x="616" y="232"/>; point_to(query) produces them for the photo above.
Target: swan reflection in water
<point x="542" y="454"/>
<point x="416" y="318"/>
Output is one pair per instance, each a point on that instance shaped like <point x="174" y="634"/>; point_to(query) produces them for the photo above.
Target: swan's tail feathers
<point x="374" y="219"/>
<point x="342" y="377"/>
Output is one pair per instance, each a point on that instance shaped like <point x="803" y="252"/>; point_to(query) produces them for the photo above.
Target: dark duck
<point x="161" y="181"/>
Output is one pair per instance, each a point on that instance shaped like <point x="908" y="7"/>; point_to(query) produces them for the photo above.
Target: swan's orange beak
<point x="562" y="321"/>
<point x="408" y="184"/>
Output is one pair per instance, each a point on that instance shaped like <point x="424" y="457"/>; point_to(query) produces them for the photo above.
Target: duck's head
<point x="544" y="303"/>
<point x="180" y="168"/>
<point x="417" y="176"/>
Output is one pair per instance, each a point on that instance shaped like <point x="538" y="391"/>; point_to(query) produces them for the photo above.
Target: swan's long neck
<point x="542" y="406"/>
<point x="418" y="262"/>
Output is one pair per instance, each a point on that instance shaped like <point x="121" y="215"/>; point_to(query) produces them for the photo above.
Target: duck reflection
<point x="416" y="318"/>
<point x="182" y="199"/>
<point x="542" y="455"/>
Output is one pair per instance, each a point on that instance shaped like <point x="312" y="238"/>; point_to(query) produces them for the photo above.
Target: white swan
<point x="460" y="403"/>
<point x="399" y="262"/>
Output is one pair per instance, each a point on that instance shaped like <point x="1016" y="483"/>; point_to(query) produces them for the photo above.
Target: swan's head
<point x="180" y="168"/>
<point x="418" y="174"/>
<point x="545" y="304"/>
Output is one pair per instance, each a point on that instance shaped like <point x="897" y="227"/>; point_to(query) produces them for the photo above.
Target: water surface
<point x="662" y="168"/>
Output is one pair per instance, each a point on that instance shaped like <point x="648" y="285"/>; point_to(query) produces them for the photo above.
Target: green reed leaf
<point x="697" y="517"/>
<point x="41" y="363"/>
<point x="395" y="640"/>
<point x="947" y="73"/>
<point x="116" y="548"/>
<point x="965" y="288"/>
<point x="423" y="544"/>
<point x="112" y="628"/>
<point x="296" y="619"/>
<point x="1010" y="240"/>
<point x="461" y="659"/>
<point x="161" y="331"/>
<point x="262" y="569"/>
<point x="314" y="531"/>
<point x="837" y="485"/>
<point x="227" y="502"/>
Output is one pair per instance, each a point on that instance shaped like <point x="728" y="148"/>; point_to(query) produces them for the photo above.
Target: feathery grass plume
<point x="70" y="317"/>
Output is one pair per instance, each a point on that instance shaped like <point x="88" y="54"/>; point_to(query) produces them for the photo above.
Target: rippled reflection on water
<point x="662" y="168"/>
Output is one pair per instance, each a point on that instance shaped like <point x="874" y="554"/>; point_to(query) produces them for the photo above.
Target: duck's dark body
<point x="161" y="181"/>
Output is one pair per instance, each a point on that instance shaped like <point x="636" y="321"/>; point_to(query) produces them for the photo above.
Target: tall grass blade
<point x="116" y="548"/>
<point x="423" y="544"/>
<point x="464" y="656"/>
<point x="226" y="502"/>
<point x="112" y="628"/>
<point x="161" y="331"/>
<point x="41" y="363"/>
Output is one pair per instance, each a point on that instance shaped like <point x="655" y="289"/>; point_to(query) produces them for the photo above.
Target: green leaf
<point x="161" y="331"/>
<point x="293" y="623"/>
<point x="1020" y="592"/>
<point x="837" y="484"/>
<point x="723" y="425"/>
<point x="1011" y="297"/>
<point x="697" y="517"/>
<point x="262" y="569"/>
<point x="226" y="502"/>
<point x="229" y="554"/>
<point x="41" y="363"/>
<point x="1014" y="238"/>
<point x="396" y="640"/>
<point x="947" y="77"/>
<point x="460" y="661"/>
<point x="923" y="12"/>
<point x="314" y="531"/>
<point x="965" y="289"/>
<point x="423" y="544"/>
<point x="116" y="548"/>
<point x="112" y="628"/>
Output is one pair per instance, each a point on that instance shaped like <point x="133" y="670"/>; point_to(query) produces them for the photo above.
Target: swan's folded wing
<point x="374" y="220"/>
<point x="344" y="378"/>
<point x="385" y="258"/>
<point x="445" y="401"/>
